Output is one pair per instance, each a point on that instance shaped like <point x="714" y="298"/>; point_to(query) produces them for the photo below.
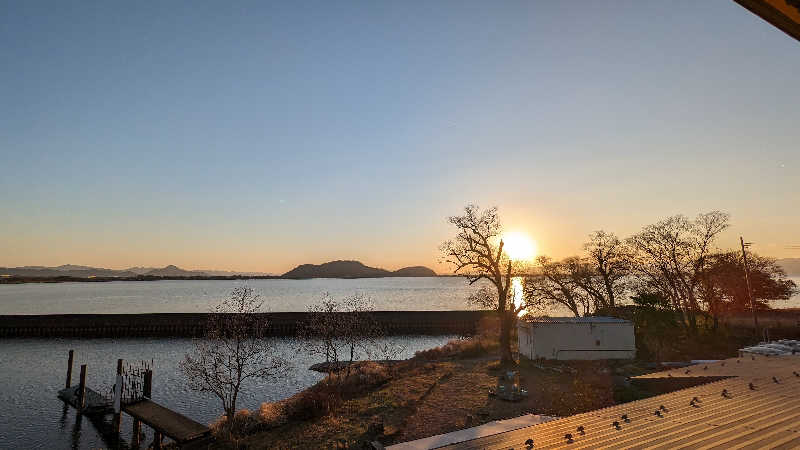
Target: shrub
<point x="460" y="348"/>
<point x="328" y="394"/>
<point x="316" y="401"/>
<point x="272" y="414"/>
<point x="243" y="423"/>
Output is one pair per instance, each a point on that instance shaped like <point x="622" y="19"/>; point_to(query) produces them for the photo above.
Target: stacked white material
<point x="781" y="347"/>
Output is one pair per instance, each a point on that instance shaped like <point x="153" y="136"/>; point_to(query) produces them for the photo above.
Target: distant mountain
<point x="414" y="271"/>
<point x="230" y="273"/>
<point x="200" y="273"/>
<point x="75" y="271"/>
<point x="141" y="270"/>
<point x="791" y="266"/>
<point x="353" y="269"/>
<point x="174" y="271"/>
<point x="63" y="271"/>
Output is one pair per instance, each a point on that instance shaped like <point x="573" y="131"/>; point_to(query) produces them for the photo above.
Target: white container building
<point x="576" y="338"/>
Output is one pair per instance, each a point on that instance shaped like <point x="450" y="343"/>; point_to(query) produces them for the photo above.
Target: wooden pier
<point x="167" y="422"/>
<point x="131" y="394"/>
<point x="95" y="403"/>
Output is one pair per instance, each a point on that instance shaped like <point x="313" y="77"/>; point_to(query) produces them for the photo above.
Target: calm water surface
<point x="397" y="294"/>
<point x="33" y="370"/>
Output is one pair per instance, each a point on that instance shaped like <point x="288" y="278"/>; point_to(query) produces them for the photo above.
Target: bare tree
<point x="610" y="260"/>
<point x="360" y="330"/>
<point x="388" y="349"/>
<point x="477" y="253"/>
<point x="341" y="331"/>
<point x="234" y="350"/>
<point x="671" y="256"/>
<point x="322" y="329"/>
<point x="556" y="285"/>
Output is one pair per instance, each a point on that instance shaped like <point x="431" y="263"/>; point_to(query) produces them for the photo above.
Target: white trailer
<point x="576" y="338"/>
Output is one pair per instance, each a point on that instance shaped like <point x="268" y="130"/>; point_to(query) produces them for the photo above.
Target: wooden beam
<point x="783" y="14"/>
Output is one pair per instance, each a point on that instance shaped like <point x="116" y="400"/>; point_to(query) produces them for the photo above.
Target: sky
<point x="256" y="136"/>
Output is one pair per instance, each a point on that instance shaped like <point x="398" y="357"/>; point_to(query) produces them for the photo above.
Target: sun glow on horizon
<point x="519" y="246"/>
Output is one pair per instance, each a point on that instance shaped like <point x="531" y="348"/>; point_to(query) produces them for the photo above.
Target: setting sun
<point x="519" y="246"/>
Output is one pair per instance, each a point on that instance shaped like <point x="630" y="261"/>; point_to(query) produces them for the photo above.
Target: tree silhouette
<point x="477" y="253"/>
<point x="234" y="350"/>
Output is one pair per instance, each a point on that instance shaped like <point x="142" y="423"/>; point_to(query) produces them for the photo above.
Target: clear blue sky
<point x="256" y="136"/>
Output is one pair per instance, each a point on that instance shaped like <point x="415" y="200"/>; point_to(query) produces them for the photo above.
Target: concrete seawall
<point x="193" y="324"/>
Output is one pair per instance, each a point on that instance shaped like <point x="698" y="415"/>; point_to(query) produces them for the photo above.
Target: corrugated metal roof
<point x="590" y="319"/>
<point x="759" y="407"/>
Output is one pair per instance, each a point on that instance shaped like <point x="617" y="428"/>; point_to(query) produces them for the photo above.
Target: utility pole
<point x="747" y="279"/>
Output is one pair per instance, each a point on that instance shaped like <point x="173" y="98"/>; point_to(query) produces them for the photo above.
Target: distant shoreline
<point x="26" y="280"/>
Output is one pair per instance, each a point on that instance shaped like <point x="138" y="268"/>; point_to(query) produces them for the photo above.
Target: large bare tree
<point x="610" y="260"/>
<point x="477" y="253"/>
<point x="560" y="283"/>
<point x="234" y="351"/>
<point x="671" y="257"/>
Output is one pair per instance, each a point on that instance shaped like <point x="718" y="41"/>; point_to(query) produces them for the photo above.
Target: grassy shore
<point x="438" y="391"/>
<point x="446" y="389"/>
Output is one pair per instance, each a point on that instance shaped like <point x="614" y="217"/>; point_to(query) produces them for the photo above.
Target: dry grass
<point x="438" y="391"/>
<point x="459" y="348"/>
<point x="484" y="343"/>
<point x="315" y="402"/>
<point x="426" y="398"/>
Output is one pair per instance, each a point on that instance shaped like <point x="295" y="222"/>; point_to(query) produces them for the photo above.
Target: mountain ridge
<point x="353" y="269"/>
<point x="77" y="271"/>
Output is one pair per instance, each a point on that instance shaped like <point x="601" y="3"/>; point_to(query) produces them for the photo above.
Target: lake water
<point x="396" y="294"/>
<point x="793" y="302"/>
<point x="33" y="370"/>
<point x="393" y="294"/>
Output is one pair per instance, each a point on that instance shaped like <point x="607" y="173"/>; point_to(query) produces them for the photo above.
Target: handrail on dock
<point x="136" y="403"/>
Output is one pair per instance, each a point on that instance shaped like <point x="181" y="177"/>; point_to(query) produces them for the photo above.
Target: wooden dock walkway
<point x="169" y="423"/>
<point x="131" y="395"/>
<point x="95" y="402"/>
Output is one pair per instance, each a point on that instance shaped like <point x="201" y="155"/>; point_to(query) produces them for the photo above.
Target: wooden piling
<point x="82" y="389"/>
<point x="69" y="368"/>
<point x="147" y="389"/>
<point x="137" y="432"/>
<point x="157" y="440"/>
<point x="116" y="424"/>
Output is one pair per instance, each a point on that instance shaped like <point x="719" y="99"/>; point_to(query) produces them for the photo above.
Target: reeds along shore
<point x="193" y="324"/>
